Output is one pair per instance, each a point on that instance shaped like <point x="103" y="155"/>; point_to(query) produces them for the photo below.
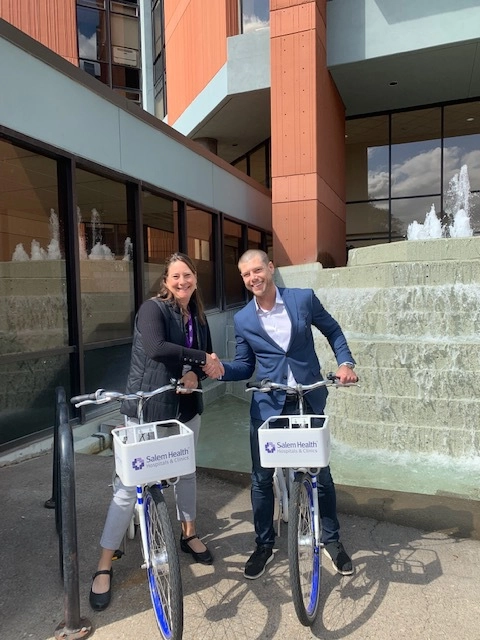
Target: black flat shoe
<point x="203" y="557"/>
<point x="100" y="601"/>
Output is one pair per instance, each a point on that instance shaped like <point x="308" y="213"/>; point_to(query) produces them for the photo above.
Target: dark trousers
<point x="263" y="498"/>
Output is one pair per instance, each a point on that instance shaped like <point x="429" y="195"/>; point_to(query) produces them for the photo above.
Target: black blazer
<point x="161" y="356"/>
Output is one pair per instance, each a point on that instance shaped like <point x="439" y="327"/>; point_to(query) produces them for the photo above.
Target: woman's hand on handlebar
<point x="188" y="383"/>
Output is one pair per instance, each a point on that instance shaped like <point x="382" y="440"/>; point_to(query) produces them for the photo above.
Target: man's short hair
<point x="254" y="253"/>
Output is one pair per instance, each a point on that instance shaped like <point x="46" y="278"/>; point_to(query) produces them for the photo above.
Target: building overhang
<point x="234" y="108"/>
<point x="410" y="79"/>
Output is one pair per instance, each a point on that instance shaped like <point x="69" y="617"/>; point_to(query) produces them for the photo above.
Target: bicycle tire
<point x="164" y="577"/>
<point x="304" y="556"/>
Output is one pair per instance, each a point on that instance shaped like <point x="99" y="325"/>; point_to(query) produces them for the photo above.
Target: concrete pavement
<point x="419" y="583"/>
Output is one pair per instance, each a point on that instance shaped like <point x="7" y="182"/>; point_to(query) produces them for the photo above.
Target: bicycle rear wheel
<point x="164" y="577"/>
<point x="304" y="556"/>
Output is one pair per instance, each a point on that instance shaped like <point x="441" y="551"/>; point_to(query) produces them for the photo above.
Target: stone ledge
<point x="460" y="249"/>
<point x="449" y="515"/>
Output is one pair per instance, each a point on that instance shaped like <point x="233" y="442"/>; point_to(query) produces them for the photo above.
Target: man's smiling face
<point x="258" y="277"/>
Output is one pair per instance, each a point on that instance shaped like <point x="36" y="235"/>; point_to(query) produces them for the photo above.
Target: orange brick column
<point x="308" y="138"/>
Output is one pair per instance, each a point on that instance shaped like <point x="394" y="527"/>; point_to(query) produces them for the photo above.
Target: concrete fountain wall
<point x="411" y="313"/>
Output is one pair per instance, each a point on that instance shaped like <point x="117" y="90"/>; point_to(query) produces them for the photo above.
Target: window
<point x="256" y="163"/>
<point x="32" y="253"/>
<point x="255" y="15"/>
<point x="201" y="248"/>
<point x="399" y="166"/>
<point x="259" y="165"/>
<point x="33" y="286"/>
<point x="106" y="266"/>
<point x="160" y="228"/>
<point x="462" y="148"/>
<point x="254" y="239"/>
<point x="416" y="153"/>
<point x="159" y="66"/>
<point x="233" y="247"/>
<point x="109" y="44"/>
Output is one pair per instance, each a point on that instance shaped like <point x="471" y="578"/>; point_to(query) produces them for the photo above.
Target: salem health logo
<point x="138" y="464"/>
<point x="270" y="447"/>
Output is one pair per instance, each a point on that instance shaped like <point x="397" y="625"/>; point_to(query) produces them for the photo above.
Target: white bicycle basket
<point x="295" y="441"/>
<point x="153" y="451"/>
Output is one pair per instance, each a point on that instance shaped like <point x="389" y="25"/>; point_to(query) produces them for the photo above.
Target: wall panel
<point x="51" y="22"/>
<point x="196" y="48"/>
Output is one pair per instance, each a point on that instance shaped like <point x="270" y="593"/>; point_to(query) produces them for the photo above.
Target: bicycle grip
<point x="85" y="396"/>
<point x="257" y="384"/>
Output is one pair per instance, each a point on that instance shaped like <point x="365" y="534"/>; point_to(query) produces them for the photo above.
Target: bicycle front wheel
<point x="304" y="556"/>
<point x="163" y="568"/>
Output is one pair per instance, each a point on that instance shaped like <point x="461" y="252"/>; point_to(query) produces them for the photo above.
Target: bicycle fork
<point x="143" y="527"/>
<point x="153" y="557"/>
<point x="315" y="514"/>
<point x="311" y="539"/>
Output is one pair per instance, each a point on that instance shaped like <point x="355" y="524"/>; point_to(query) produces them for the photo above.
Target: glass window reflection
<point x="106" y="368"/>
<point x="255" y="15"/>
<point x="92" y="34"/>
<point x="160" y="237"/>
<point x="32" y="254"/>
<point x="258" y="165"/>
<point x="416" y="153"/>
<point x="421" y="168"/>
<point x="109" y="44"/>
<point x="368" y="219"/>
<point x="462" y="142"/>
<point x="27" y="403"/>
<point x="106" y="252"/>
<point x="254" y="239"/>
<point x="367" y="158"/>
<point x="200" y="247"/>
<point x="233" y="249"/>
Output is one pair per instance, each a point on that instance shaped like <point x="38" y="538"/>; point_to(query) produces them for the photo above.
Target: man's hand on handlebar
<point x="346" y="375"/>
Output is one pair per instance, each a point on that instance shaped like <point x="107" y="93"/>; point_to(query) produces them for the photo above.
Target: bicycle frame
<point x="135" y="443"/>
<point x="304" y="531"/>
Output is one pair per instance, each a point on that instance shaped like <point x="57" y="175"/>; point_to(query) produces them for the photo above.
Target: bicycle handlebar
<point x="100" y="396"/>
<point x="300" y="389"/>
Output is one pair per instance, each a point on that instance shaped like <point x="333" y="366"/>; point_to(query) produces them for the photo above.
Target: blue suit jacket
<point x="254" y="347"/>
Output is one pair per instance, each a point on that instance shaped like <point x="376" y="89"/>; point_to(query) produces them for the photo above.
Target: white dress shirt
<point x="277" y="324"/>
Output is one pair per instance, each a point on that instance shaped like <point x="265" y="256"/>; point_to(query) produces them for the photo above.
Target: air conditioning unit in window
<point x="92" y="68"/>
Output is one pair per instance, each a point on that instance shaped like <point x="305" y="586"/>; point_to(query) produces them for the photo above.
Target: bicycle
<point x="298" y="446"/>
<point x="152" y="456"/>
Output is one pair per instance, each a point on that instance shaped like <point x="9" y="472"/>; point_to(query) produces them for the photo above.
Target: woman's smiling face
<point x="181" y="282"/>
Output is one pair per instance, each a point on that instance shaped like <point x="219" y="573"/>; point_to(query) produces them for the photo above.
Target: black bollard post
<point x="50" y="503"/>
<point x="73" y="627"/>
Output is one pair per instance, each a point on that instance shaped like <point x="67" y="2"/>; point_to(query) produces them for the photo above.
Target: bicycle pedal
<point x="117" y="554"/>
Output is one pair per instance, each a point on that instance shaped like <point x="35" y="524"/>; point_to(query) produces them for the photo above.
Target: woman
<point x="171" y="340"/>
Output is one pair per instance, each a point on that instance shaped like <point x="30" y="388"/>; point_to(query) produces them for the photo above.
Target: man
<point x="273" y="333"/>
